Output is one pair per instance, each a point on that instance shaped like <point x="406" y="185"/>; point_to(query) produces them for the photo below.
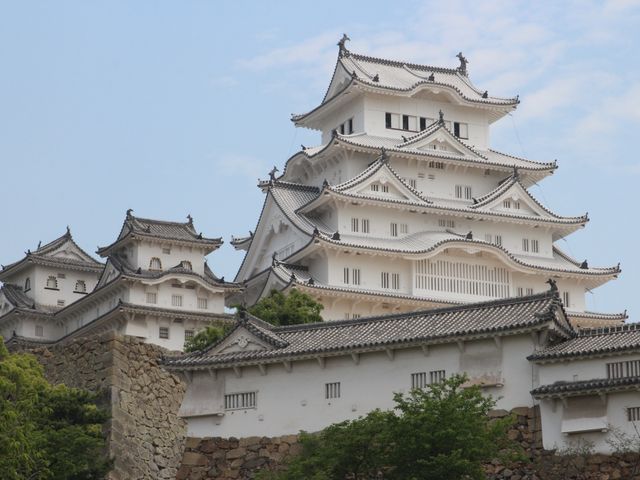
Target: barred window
<point x="354" y="224"/>
<point x="202" y="303"/>
<point x="332" y="390"/>
<point x="365" y="225"/>
<point x="166" y="251"/>
<point x="525" y="244"/>
<point x="238" y="401"/>
<point x="176" y="300"/>
<point x="188" y="335"/>
<point x="437" y="376"/>
<point x="384" y="279"/>
<point x="418" y="380"/>
<point x="152" y="297"/>
<point x="393" y="229"/>
<point x="395" y="281"/>
<point x="155" y="264"/>
<point x="163" y="332"/>
<point x="633" y="414"/>
<point x="535" y="246"/>
<point x="565" y="299"/>
<point x="630" y="368"/>
<point x="61" y="303"/>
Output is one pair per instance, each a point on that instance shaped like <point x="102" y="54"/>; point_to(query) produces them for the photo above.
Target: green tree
<point x="205" y="337"/>
<point x="441" y="432"/>
<point x="291" y="309"/>
<point x="47" y="432"/>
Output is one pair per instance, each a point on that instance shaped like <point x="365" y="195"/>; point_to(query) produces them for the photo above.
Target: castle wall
<point x="145" y="435"/>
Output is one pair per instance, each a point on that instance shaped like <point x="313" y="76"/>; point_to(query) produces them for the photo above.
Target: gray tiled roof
<point x="16" y="296"/>
<point x="583" y="387"/>
<point x="595" y="341"/>
<point x="160" y="229"/>
<point x="391" y="331"/>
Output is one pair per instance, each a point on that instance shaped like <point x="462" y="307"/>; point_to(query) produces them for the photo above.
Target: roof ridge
<point x="432" y="311"/>
<point x="595" y="331"/>
<point x="400" y="63"/>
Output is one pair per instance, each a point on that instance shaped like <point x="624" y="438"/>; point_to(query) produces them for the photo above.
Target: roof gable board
<point x="109" y="273"/>
<point x="240" y="340"/>
<point x="520" y="200"/>
<point x="438" y="138"/>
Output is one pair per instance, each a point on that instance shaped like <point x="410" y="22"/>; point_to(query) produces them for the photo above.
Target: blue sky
<point x="172" y="108"/>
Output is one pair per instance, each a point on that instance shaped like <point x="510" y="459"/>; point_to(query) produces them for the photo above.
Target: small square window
<point x="152" y="297"/>
<point x="163" y="333"/>
<point x="39" y="331"/>
<point x="188" y="335"/>
<point x="332" y="390"/>
<point x="202" y="303"/>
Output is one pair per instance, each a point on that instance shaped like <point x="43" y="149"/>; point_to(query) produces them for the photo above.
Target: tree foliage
<point x="291" y="309"/>
<point x="205" y="337"/>
<point x="441" y="432"/>
<point x="47" y="432"/>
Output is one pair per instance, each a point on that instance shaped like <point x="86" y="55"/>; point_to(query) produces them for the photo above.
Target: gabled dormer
<point x="159" y="245"/>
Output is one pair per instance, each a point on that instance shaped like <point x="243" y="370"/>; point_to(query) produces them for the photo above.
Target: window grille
<point x="565" y="299"/>
<point x="163" y="332"/>
<point x="176" y="300"/>
<point x="432" y="176"/>
<point x="498" y="240"/>
<point x="355" y="276"/>
<point x="166" y="251"/>
<point x="520" y="292"/>
<point x="365" y="225"/>
<point x="188" y="335"/>
<point x="516" y="205"/>
<point x="356" y="316"/>
<point x="332" y="390"/>
<point x="529" y="291"/>
<point x="81" y="286"/>
<point x="464" y="191"/>
<point x="62" y="275"/>
<point x="630" y="368"/>
<point x="633" y="414"/>
<point x="404" y="228"/>
<point x="39" y="331"/>
<point x="152" y="297"/>
<point x="345" y="274"/>
<point x="202" y="303"/>
<point x="155" y="264"/>
<point x="375" y="187"/>
<point x="385" y="188"/>
<point x="238" y="401"/>
<point x="525" y="244"/>
<point x="395" y="281"/>
<point x="61" y="303"/>
<point x="393" y="229"/>
<point x="384" y="279"/>
<point x="437" y="165"/>
<point x="354" y="224"/>
<point x="463" y="278"/>
<point x="446" y="223"/>
<point x="418" y="380"/>
<point x="52" y="283"/>
<point x="437" y="376"/>
<point x="421" y="175"/>
<point x="461" y="130"/>
<point x="506" y="203"/>
<point x="535" y="246"/>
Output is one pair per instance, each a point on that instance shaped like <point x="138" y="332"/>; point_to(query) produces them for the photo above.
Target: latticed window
<point x="188" y="335"/>
<point x="176" y="300"/>
<point x="202" y="303"/>
<point x="384" y="279"/>
<point x="332" y="390"/>
<point x="52" y="282"/>
<point x="419" y="380"/>
<point x="152" y="297"/>
<point x="237" y="401"/>
<point x="630" y="368"/>
<point x="155" y="264"/>
<point x="393" y="229"/>
<point x="163" y="332"/>
<point x="354" y="224"/>
<point x="437" y="376"/>
<point x="365" y="225"/>
<point x="463" y="278"/>
<point x="633" y="414"/>
<point x="535" y="246"/>
<point x="81" y="286"/>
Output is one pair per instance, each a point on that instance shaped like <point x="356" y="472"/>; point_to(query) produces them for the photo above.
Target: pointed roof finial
<point x="384" y="158"/>
<point x="325" y="183"/>
<point x="584" y="265"/>
<point x="441" y="119"/>
<point x="129" y="212"/>
<point x="189" y="219"/>
<point x="39" y="244"/>
<point x="552" y="284"/>
<point x="272" y="174"/>
<point x="432" y="77"/>
<point x="341" y="45"/>
<point x="376" y="78"/>
<point x="68" y="234"/>
<point x="485" y="94"/>
<point x="463" y="64"/>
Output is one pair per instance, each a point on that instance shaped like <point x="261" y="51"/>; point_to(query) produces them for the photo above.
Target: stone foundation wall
<point x="145" y="435"/>
<point x="232" y="458"/>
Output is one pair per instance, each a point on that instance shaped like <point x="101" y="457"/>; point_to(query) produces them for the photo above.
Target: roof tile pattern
<point x="586" y="386"/>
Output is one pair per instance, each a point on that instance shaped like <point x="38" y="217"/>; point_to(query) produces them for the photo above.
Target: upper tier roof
<point x="63" y="253"/>
<point x="391" y="331"/>
<point x="172" y="232"/>
<point x="365" y="73"/>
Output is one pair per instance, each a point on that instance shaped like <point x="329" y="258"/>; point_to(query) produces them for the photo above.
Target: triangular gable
<point x="438" y="138"/>
<point x="70" y="251"/>
<point x="340" y="79"/>
<point x="380" y="181"/>
<point x="109" y="274"/>
<point x="512" y="198"/>
<point x="240" y="340"/>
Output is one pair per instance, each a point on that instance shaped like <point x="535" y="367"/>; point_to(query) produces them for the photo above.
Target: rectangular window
<point x="239" y="401"/>
<point x="412" y="182"/>
<point x="437" y="376"/>
<point x="535" y="246"/>
<point x="413" y="124"/>
<point x="202" y="303"/>
<point x="365" y="225"/>
<point x="565" y="299"/>
<point x="436" y="165"/>
<point x="354" y="224"/>
<point x="432" y="176"/>
<point x="395" y="281"/>
<point x="345" y="275"/>
<point x="332" y="390"/>
<point x="630" y="368"/>
<point x="176" y="300"/>
<point x="163" y="332"/>
<point x="393" y="229"/>
<point x="62" y="275"/>
<point x="488" y="238"/>
<point x="166" y="251"/>
<point x="506" y="203"/>
<point x="446" y="223"/>
<point x="395" y="121"/>
<point x="188" y="335"/>
<point x="405" y="122"/>
<point x="355" y="276"/>
<point x="350" y="126"/>
<point x="384" y="279"/>
<point x="39" y="331"/>
<point x="375" y="187"/>
<point x="529" y="291"/>
<point x="418" y="380"/>
<point x="404" y="228"/>
<point x="356" y="316"/>
<point x="525" y="244"/>
<point x="152" y="297"/>
<point x="516" y="205"/>
<point x="633" y="414"/>
<point x="61" y="303"/>
<point x="423" y="123"/>
<point x="387" y="120"/>
<point x="463" y="191"/>
<point x="498" y="240"/>
<point x="421" y="175"/>
<point x="385" y="188"/>
<point x="461" y="130"/>
<point x="461" y="277"/>
<point x="519" y="292"/>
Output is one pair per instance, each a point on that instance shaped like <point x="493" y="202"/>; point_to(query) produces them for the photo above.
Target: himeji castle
<point x="155" y="284"/>
<point x="405" y="206"/>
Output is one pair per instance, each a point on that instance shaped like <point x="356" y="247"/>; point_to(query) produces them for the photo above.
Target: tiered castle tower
<point x="405" y="206"/>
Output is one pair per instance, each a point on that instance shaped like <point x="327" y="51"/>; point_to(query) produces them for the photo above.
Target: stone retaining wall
<point x="232" y="458"/>
<point x="145" y="435"/>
